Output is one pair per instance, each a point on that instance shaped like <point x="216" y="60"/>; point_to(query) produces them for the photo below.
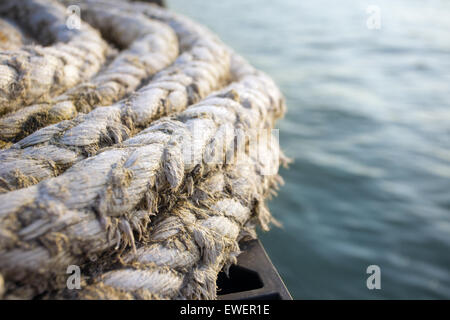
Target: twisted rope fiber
<point x="11" y="36"/>
<point x="150" y="46"/>
<point x="146" y="172"/>
<point x="33" y="73"/>
<point x="51" y="150"/>
<point x="82" y="191"/>
<point x="191" y="243"/>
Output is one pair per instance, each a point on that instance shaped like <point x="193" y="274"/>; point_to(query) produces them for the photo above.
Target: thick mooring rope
<point x="149" y="46"/>
<point x="141" y="168"/>
<point x="34" y="73"/>
<point x="189" y="244"/>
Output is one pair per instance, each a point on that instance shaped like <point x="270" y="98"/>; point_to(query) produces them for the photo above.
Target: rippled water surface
<point x="368" y="126"/>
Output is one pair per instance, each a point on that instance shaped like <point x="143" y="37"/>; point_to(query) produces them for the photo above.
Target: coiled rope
<point x="136" y="165"/>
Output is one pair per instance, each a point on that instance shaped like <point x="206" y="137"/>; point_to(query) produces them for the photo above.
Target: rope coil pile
<point x="144" y="155"/>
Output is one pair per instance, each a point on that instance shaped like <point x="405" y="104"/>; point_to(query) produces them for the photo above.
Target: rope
<point x="150" y="46"/>
<point x="33" y="73"/>
<point x="51" y="150"/>
<point x="190" y="244"/>
<point x="142" y="172"/>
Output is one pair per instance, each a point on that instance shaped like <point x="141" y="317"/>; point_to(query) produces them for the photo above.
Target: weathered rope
<point x="150" y="46"/>
<point x="35" y="73"/>
<point x="163" y="127"/>
<point x="11" y="36"/>
<point x="130" y="182"/>
<point x="2" y="286"/>
<point x="190" y="244"/>
<point x="51" y="150"/>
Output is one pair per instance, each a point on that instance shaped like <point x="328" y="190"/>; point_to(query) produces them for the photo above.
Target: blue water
<point x="368" y="126"/>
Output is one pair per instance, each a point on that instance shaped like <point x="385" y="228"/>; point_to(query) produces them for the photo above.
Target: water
<point x="368" y="126"/>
